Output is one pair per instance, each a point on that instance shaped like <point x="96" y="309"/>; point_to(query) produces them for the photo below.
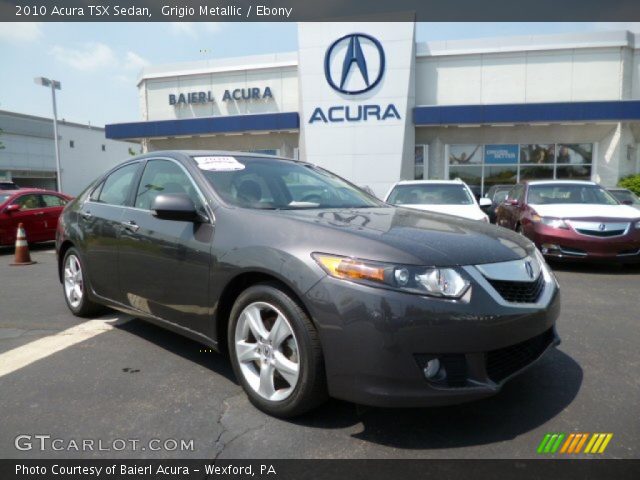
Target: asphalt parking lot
<point x="119" y="378"/>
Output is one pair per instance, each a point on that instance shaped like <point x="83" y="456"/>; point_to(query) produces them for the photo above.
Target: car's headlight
<point x="437" y="282"/>
<point x="550" y="222"/>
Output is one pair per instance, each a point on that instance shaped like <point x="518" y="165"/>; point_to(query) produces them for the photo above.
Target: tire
<point x="75" y="288"/>
<point x="270" y="334"/>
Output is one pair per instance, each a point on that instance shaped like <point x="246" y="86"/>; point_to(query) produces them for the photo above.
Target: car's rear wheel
<point x="275" y="352"/>
<point x="76" y="291"/>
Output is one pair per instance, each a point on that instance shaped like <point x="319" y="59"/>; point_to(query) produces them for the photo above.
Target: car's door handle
<point x="39" y="213"/>
<point x="86" y="215"/>
<point x="131" y="225"/>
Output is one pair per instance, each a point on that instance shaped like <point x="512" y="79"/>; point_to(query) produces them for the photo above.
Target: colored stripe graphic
<point x="573" y="443"/>
<point x="543" y="443"/>
<point x="556" y="445"/>
<point x="598" y="442"/>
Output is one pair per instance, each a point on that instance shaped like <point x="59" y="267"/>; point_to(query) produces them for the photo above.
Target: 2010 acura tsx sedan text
<point x="314" y="287"/>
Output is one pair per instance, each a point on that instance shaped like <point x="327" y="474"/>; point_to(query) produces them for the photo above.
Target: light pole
<point x="54" y="85"/>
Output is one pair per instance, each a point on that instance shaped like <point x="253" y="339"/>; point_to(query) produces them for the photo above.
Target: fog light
<point x="549" y="247"/>
<point x="431" y="369"/>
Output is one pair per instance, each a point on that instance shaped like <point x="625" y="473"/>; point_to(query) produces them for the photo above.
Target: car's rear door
<point x="99" y="219"/>
<point x="52" y="208"/>
<point x="164" y="264"/>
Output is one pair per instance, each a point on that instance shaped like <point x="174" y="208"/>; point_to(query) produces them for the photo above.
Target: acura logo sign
<point x="529" y="268"/>
<point x="602" y="227"/>
<point x="354" y="64"/>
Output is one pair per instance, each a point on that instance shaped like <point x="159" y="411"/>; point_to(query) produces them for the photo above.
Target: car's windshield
<point x="3" y="198"/>
<point x="625" y="196"/>
<point x="569" y="193"/>
<point x="430" y="194"/>
<point x="266" y="183"/>
<point x="500" y="196"/>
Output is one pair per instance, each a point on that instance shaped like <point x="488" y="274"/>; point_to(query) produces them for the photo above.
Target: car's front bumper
<point x="376" y="341"/>
<point x="567" y="244"/>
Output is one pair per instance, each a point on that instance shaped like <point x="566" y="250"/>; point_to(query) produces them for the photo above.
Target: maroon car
<point x="38" y="210"/>
<point x="576" y="220"/>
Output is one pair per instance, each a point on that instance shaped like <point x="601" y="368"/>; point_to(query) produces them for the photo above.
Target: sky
<point x="98" y="63"/>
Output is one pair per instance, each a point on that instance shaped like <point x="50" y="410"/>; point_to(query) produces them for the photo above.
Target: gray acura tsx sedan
<point x="314" y="287"/>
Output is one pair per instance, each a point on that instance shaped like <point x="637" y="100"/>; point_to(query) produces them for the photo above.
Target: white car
<point x="452" y="197"/>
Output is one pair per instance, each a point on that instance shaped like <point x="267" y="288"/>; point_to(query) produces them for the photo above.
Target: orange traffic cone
<point x="22" y="256"/>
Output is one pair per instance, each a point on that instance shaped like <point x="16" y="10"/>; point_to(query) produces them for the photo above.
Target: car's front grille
<point x="519" y="292"/>
<point x="600" y="229"/>
<point x="598" y="233"/>
<point x="504" y="362"/>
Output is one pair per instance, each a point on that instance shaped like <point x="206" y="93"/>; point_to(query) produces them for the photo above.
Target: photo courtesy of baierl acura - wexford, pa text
<point x="291" y="240"/>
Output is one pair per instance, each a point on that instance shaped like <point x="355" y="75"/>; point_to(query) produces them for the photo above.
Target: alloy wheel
<point x="73" y="282"/>
<point x="267" y="351"/>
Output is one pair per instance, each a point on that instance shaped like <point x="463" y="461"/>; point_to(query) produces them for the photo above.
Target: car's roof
<point x="430" y="182"/>
<point x="21" y="191"/>
<point x="559" y="182"/>
<point x="212" y="153"/>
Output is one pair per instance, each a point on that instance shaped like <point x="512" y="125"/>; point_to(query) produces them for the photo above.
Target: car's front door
<point x="164" y="265"/>
<point x="31" y="215"/>
<point x="99" y="219"/>
<point x="509" y="213"/>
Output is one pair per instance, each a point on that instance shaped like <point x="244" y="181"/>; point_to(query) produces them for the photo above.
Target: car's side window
<point x="95" y="193"/>
<point x="53" y="201"/>
<point x="28" y="202"/>
<point x="164" y="176"/>
<point x="516" y="193"/>
<point x="117" y="186"/>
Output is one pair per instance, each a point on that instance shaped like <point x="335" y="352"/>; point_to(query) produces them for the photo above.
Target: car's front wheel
<point x="275" y="352"/>
<point x="75" y="285"/>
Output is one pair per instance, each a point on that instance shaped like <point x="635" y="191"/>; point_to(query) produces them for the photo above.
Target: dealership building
<point x="27" y="152"/>
<point x="369" y="103"/>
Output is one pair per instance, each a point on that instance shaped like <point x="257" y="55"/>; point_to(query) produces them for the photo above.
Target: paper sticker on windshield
<point x="219" y="164"/>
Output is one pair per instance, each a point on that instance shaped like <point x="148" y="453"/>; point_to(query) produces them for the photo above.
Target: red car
<point x="575" y="220"/>
<point x="38" y="210"/>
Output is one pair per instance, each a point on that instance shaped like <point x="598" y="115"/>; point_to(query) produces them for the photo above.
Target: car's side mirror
<point x="12" y="208"/>
<point x="512" y="201"/>
<point x="177" y="207"/>
<point x="485" y="202"/>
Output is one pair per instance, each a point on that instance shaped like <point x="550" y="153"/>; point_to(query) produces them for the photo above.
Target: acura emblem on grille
<point x="529" y="268"/>
<point x="602" y="227"/>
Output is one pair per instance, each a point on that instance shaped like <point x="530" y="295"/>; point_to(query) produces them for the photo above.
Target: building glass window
<point x="465" y="154"/>
<point x="537" y="154"/>
<point x="485" y="165"/>
<point x="499" y="175"/>
<point x="418" y="173"/>
<point x="471" y="175"/>
<point x="72" y="144"/>
<point x="104" y="148"/>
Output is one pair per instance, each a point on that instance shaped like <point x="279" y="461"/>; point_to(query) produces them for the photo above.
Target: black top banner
<point x="312" y="10"/>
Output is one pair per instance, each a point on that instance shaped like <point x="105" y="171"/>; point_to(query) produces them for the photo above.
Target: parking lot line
<point x="43" y="347"/>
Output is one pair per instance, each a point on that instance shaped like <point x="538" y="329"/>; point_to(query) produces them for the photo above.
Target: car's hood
<point x="583" y="210"/>
<point x="397" y="234"/>
<point x="471" y="212"/>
